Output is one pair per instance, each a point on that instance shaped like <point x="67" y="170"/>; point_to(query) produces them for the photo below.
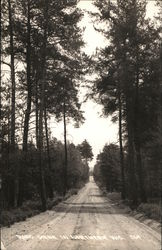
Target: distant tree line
<point x="107" y="168"/>
<point x="129" y="88"/>
<point x="29" y="173"/>
<point x="41" y="64"/>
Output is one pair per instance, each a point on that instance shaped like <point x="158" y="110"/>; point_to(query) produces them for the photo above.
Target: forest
<point x="129" y="88"/>
<point x="42" y="66"/>
<point x="40" y="70"/>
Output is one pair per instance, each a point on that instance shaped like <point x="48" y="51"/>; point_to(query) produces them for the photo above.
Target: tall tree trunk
<point x="12" y="62"/>
<point x="65" y="148"/>
<point x="9" y="123"/>
<point x="131" y="153"/>
<point x="28" y="108"/>
<point x="41" y="170"/>
<point x="1" y="197"/>
<point x="29" y="87"/>
<point x="0" y="70"/>
<point x="139" y="164"/>
<point x="42" y="102"/>
<point x="37" y="115"/>
<point x="129" y="101"/>
<point x="160" y="118"/>
<point x="13" y="91"/>
<point x="123" y="193"/>
<point x="48" y="155"/>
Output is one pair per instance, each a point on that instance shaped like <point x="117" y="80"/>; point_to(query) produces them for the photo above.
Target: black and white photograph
<point x="80" y="124"/>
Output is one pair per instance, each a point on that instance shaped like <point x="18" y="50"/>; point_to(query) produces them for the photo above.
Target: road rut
<point x="85" y="221"/>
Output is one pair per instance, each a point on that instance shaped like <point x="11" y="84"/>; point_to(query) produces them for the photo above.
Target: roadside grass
<point x="150" y="210"/>
<point x="114" y="196"/>
<point x="30" y="208"/>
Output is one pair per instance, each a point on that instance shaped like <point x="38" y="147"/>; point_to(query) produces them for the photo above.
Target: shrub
<point x="151" y="210"/>
<point x="7" y="218"/>
<point x="30" y="208"/>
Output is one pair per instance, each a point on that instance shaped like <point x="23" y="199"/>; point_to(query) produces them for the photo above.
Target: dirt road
<point x="83" y="222"/>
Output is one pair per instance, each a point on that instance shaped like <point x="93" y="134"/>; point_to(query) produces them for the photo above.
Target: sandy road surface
<point x="83" y="222"/>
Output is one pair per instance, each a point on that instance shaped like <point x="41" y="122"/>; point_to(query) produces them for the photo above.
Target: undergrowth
<point x="30" y="208"/>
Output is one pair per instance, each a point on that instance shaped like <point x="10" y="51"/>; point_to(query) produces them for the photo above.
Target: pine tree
<point x="122" y="66"/>
<point x="86" y="151"/>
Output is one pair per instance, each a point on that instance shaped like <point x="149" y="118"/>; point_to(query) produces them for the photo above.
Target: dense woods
<point x="41" y="66"/>
<point x="107" y="169"/>
<point x="129" y="88"/>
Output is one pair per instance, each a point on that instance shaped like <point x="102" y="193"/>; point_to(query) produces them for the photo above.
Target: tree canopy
<point x="86" y="150"/>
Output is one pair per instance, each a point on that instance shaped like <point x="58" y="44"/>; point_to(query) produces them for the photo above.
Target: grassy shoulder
<point x="31" y="208"/>
<point x="150" y="210"/>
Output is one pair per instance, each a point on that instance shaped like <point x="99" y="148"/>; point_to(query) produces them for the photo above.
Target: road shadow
<point x="97" y="208"/>
<point x="85" y="204"/>
<point x="96" y="195"/>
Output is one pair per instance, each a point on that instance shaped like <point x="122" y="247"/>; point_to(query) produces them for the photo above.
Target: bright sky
<point x="96" y="130"/>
